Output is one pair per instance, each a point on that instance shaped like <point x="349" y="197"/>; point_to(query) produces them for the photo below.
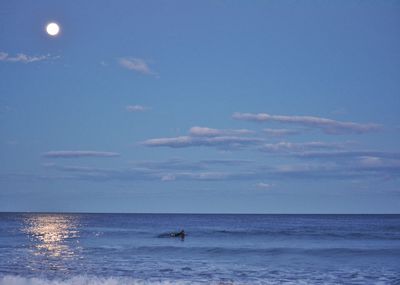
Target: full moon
<point x="53" y="29"/>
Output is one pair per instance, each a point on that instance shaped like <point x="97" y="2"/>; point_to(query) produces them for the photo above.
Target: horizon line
<point x="183" y="213"/>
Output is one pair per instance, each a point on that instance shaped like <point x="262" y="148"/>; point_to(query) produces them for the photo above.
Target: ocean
<point x="112" y="249"/>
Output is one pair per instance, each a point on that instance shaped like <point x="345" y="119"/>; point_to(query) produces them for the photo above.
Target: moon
<point x="52" y="29"/>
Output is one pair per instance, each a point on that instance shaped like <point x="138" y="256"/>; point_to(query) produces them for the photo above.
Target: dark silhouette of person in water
<point x="181" y="234"/>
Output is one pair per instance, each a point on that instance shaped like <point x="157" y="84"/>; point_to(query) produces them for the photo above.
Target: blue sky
<point x="200" y="106"/>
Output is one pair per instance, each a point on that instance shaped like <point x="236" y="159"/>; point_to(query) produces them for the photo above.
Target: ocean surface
<point x="112" y="249"/>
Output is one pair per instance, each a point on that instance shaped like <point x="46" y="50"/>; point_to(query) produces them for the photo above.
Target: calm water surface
<point x="219" y="249"/>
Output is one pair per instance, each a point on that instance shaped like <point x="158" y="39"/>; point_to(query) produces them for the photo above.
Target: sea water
<point x="218" y="249"/>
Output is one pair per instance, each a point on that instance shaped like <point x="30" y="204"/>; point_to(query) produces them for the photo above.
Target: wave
<point x="296" y="233"/>
<point x="391" y="234"/>
<point x="327" y="252"/>
<point x="273" y="251"/>
<point x="88" y="280"/>
<point x="274" y="278"/>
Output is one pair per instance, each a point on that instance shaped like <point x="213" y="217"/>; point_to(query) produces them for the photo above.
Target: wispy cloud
<point x="169" y="164"/>
<point x="203" y="136"/>
<point x="182" y="164"/>
<point x="286" y="172"/>
<point x="135" y="174"/>
<point x="24" y="58"/>
<point x="168" y="177"/>
<point x="377" y="164"/>
<point x="209" y="132"/>
<point x="263" y="185"/>
<point x="225" y="162"/>
<point x="280" y="132"/>
<point x="360" y="167"/>
<point x="346" y="154"/>
<point x="78" y="154"/>
<point x="30" y="177"/>
<point x="136" y="108"/>
<point x="106" y="174"/>
<point x="366" y="168"/>
<point x="328" y="126"/>
<point x="136" y="64"/>
<point x="284" y="147"/>
<point x="308" y="171"/>
<point x="189" y="141"/>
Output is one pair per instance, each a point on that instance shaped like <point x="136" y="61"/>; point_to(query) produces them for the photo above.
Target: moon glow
<point x="52" y="29"/>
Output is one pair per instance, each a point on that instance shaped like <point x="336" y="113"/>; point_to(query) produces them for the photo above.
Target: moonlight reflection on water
<point x="52" y="235"/>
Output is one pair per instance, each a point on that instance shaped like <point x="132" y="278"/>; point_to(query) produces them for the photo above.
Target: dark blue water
<point x="218" y="249"/>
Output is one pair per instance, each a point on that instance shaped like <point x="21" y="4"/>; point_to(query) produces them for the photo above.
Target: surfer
<point x="180" y="234"/>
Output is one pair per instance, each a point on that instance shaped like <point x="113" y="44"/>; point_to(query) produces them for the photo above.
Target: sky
<point x="200" y="106"/>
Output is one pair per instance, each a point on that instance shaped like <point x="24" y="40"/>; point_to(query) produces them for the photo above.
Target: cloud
<point x="78" y="154"/>
<point x="136" y="64"/>
<point x="263" y="185"/>
<point x="106" y="174"/>
<point x="328" y="126"/>
<point x="225" y="162"/>
<point x="136" y="174"/>
<point x="288" y="147"/>
<point x="30" y="177"/>
<point x="203" y="136"/>
<point x="168" y="177"/>
<point x="224" y="139"/>
<point x="283" y="173"/>
<point x="177" y="164"/>
<point x="197" y="176"/>
<point x="169" y="164"/>
<point x="203" y="170"/>
<point x="280" y="132"/>
<point x="387" y="163"/>
<point x="366" y="168"/>
<point x="341" y="154"/>
<point x="175" y="142"/>
<point x="205" y="176"/>
<point x="24" y="58"/>
<point x="136" y="108"/>
<point x="370" y="163"/>
<point x="209" y="132"/>
<point x="362" y="167"/>
<point x="189" y="141"/>
<point x="308" y="171"/>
